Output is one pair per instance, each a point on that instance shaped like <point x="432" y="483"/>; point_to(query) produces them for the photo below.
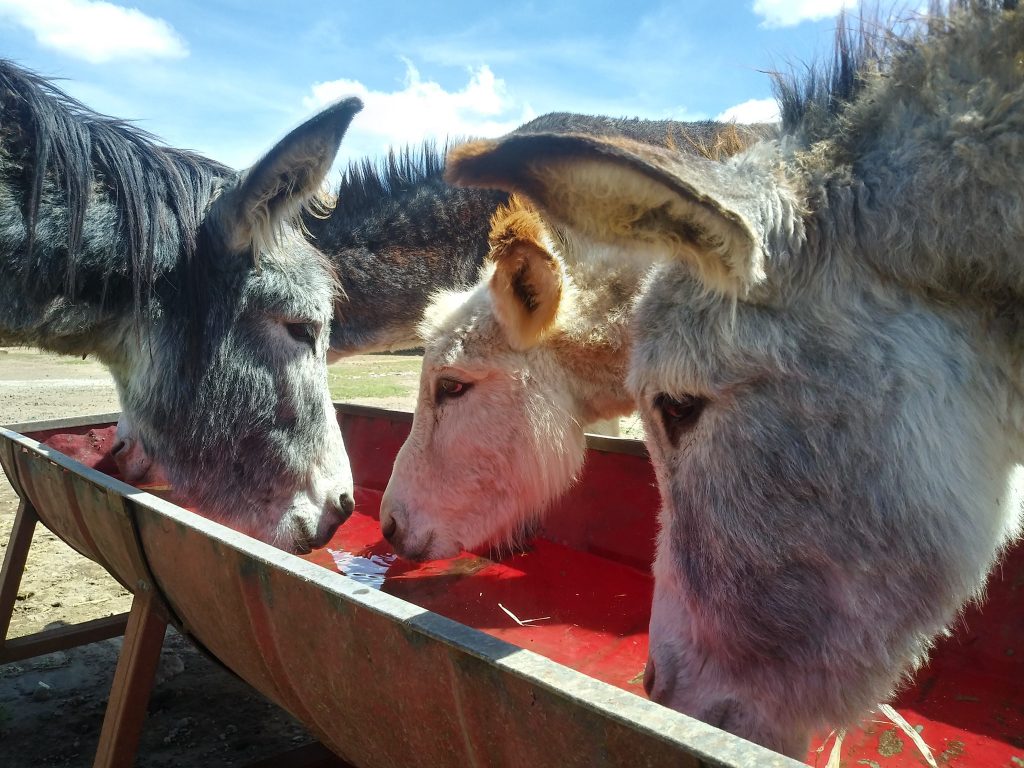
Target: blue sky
<point x="229" y="77"/>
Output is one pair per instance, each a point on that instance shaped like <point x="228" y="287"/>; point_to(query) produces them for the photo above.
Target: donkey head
<point x="827" y="365"/>
<point x="548" y="328"/>
<point x="504" y="396"/>
<point x="228" y="393"/>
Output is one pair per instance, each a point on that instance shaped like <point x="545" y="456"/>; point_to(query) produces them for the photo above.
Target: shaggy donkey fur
<point x="186" y="279"/>
<point x="828" y="364"/>
<point x="527" y="358"/>
<point x="396" y="235"/>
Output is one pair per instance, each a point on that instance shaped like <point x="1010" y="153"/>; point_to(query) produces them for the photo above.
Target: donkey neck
<point x="593" y="343"/>
<point x="95" y="303"/>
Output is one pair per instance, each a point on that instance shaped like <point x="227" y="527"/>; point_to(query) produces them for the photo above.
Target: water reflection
<point x="370" y="571"/>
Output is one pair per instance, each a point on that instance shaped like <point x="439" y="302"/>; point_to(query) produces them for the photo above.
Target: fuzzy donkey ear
<point x="526" y="286"/>
<point x="625" y="192"/>
<point x="287" y="178"/>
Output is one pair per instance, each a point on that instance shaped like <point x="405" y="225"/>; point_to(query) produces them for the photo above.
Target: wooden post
<point x="133" y="682"/>
<point x="14" y="565"/>
<point x="48" y="640"/>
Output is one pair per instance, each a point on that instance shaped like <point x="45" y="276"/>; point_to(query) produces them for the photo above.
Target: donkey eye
<point x="304" y="333"/>
<point x="450" y="388"/>
<point x="679" y="415"/>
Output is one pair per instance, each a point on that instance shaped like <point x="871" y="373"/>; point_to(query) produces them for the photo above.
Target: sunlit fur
<point x="481" y="468"/>
<point x="183" y="277"/>
<point x="526" y="284"/>
<point x="543" y="339"/>
<point x="855" y="472"/>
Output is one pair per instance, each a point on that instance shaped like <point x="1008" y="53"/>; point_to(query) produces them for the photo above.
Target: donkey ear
<point x="274" y="190"/>
<point x="526" y="286"/>
<point x="624" y="192"/>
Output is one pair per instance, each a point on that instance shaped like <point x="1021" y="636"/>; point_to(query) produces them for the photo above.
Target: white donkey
<point x="542" y="341"/>
<point x="828" y="364"/>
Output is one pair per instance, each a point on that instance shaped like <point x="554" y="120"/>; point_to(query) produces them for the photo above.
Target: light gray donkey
<point x="531" y="355"/>
<point x="829" y="364"/>
<point x="188" y="280"/>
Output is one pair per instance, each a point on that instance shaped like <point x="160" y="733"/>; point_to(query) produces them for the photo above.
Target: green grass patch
<point x="348" y="388"/>
<point x="377" y="376"/>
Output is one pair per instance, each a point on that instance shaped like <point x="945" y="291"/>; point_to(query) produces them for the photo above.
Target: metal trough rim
<point x="707" y="743"/>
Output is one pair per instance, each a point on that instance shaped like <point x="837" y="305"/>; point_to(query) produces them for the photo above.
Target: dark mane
<point x="55" y="148"/>
<point x="811" y="102"/>
<point x="368" y="183"/>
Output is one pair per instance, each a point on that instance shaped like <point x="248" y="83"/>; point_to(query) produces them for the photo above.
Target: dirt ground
<point x="51" y="707"/>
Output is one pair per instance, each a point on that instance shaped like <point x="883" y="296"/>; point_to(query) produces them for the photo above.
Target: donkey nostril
<point x="346" y="504"/>
<point x="388" y="528"/>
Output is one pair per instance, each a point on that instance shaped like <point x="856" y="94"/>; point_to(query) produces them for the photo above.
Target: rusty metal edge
<point x="709" y="744"/>
<point x="603" y="443"/>
<point x="608" y="444"/>
<point x="113" y="486"/>
<point x="372" y="412"/>
<point x="105" y="481"/>
<point x="10" y="468"/>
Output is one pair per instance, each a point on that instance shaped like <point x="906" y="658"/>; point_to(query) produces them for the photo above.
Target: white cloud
<point x="752" y="111"/>
<point x="94" y="30"/>
<point x="788" y="13"/>
<point x="423" y="109"/>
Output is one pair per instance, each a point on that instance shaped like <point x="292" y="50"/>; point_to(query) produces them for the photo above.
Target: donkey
<point x="190" y="282"/>
<point x="542" y="341"/>
<point x="827" y="362"/>
<point x="397" y="234"/>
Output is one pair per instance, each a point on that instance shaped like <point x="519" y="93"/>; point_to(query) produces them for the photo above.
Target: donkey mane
<point x="374" y="183"/>
<point x="812" y="103"/>
<point x="401" y="202"/>
<point x="54" y="145"/>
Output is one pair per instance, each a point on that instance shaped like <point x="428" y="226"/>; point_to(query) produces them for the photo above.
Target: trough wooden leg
<point x="133" y="681"/>
<point x="48" y="640"/>
<point x="14" y="565"/>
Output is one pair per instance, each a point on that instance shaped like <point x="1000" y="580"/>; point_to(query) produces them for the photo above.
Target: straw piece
<point x="912" y="734"/>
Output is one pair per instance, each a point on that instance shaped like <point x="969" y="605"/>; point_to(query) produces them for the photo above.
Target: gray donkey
<point x="188" y="280"/>
<point x="828" y="363"/>
<point x="395" y="235"/>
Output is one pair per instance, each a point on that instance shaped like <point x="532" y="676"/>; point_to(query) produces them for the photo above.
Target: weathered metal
<point x="533" y="659"/>
<point x="77" y="502"/>
<point x="25" y="521"/>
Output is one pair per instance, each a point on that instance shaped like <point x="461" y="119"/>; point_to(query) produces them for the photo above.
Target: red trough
<point x="371" y="667"/>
